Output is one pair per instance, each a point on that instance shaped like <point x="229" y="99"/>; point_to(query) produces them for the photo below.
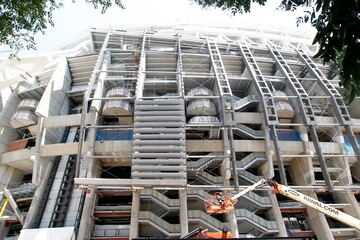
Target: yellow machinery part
<point x="4" y="206"/>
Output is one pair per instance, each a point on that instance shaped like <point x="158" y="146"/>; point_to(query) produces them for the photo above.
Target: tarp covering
<point x="64" y="233"/>
<point x="348" y="146"/>
<point x="103" y="134"/>
<point x="288" y="136"/>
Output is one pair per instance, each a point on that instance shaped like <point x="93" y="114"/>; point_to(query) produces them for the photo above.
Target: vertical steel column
<point x="267" y="103"/>
<point x="85" y="104"/>
<point x="141" y="70"/>
<point x="179" y="68"/>
<point x="226" y="100"/>
<point x="304" y="104"/>
<point x="341" y="112"/>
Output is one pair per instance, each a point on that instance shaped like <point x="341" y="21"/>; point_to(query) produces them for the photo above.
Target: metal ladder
<point x="264" y="89"/>
<point x="65" y="190"/>
<point x="219" y="70"/>
<point x="228" y="111"/>
<point x="179" y="67"/>
<point x="341" y="112"/>
<point x="306" y="110"/>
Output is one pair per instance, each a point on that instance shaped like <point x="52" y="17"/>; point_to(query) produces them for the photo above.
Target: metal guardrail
<point x="255" y="220"/>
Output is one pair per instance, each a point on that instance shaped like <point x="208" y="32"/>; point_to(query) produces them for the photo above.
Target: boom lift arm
<point x="220" y="204"/>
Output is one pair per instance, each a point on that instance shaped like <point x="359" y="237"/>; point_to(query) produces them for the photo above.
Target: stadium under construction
<point x="125" y="134"/>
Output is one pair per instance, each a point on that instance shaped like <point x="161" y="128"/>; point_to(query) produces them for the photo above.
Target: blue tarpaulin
<point x="348" y="146"/>
<point x="102" y="134"/>
<point x="288" y="136"/>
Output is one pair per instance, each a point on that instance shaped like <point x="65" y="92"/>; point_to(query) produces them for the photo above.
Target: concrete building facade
<point x="126" y="134"/>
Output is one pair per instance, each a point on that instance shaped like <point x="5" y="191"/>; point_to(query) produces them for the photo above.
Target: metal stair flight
<point x="247" y="132"/>
<point x="242" y="104"/>
<point x="258" y="222"/>
<point x="171" y="230"/>
<point x="207" y="220"/>
<point x="250" y="160"/>
<point x="160" y="199"/>
<point x="203" y="163"/>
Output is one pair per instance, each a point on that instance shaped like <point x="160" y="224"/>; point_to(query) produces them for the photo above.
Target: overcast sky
<point x="74" y="19"/>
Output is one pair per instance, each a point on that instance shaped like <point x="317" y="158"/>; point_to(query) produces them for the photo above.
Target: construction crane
<point x="8" y="199"/>
<point x="219" y="203"/>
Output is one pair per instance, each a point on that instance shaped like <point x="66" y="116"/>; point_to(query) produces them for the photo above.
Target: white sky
<point x="74" y="19"/>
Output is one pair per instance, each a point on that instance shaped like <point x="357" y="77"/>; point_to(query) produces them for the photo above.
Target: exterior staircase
<point x="248" y="177"/>
<point x="171" y="230"/>
<point x="24" y="190"/>
<point x="198" y="194"/>
<point x="207" y="220"/>
<point x="242" y="130"/>
<point x="159" y="140"/>
<point x="258" y="201"/>
<point x="203" y="163"/>
<point x="160" y="199"/>
<point x="208" y="178"/>
<point x="242" y="104"/>
<point x="258" y="222"/>
<point x="250" y="160"/>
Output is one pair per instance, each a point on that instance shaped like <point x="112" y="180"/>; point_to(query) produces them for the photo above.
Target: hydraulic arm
<point x="222" y="204"/>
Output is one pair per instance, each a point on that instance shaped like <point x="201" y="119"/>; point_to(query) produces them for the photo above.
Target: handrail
<point x="257" y="221"/>
<point x="247" y="161"/>
<point x="202" y="163"/>
<point x="159" y="223"/>
<point x="209" y="178"/>
<point x="249" y="176"/>
<point x="197" y="215"/>
<point x="240" y="103"/>
<point x="170" y="204"/>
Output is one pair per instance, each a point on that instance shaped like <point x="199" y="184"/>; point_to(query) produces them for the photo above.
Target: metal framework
<point x="225" y="99"/>
<point x="341" y="112"/>
<point x="161" y="152"/>
<point x="267" y="102"/>
<point x="306" y="111"/>
<point x="86" y="100"/>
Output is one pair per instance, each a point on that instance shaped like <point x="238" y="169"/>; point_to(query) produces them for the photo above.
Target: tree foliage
<point x="338" y="32"/>
<point x="20" y="20"/>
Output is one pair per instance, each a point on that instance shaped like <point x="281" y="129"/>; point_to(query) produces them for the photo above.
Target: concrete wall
<point x="7" y="133"/>
<point x="54" y="100"/>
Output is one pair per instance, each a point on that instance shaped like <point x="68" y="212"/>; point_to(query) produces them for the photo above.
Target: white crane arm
<point x="313" y="203"/>
<point x="249" y="189"/>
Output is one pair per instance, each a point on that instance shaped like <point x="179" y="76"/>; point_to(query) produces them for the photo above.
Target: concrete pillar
<point x="226" y="165"/>
<point x="9" y="175"/>
<point x="267" y="169"/>
<point x="86" y="223"/>
<point x="318" y="221"/>
<point x="4" y="229"/>
<point x="231" y="217"/>
<point x="39" y="164"/>
<point x="32" y="219"/>
<point x="184" y="227"/>
<point x="135" y="208"/>
<point x="274" y="213"/>
<point x="300" y="171"/>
